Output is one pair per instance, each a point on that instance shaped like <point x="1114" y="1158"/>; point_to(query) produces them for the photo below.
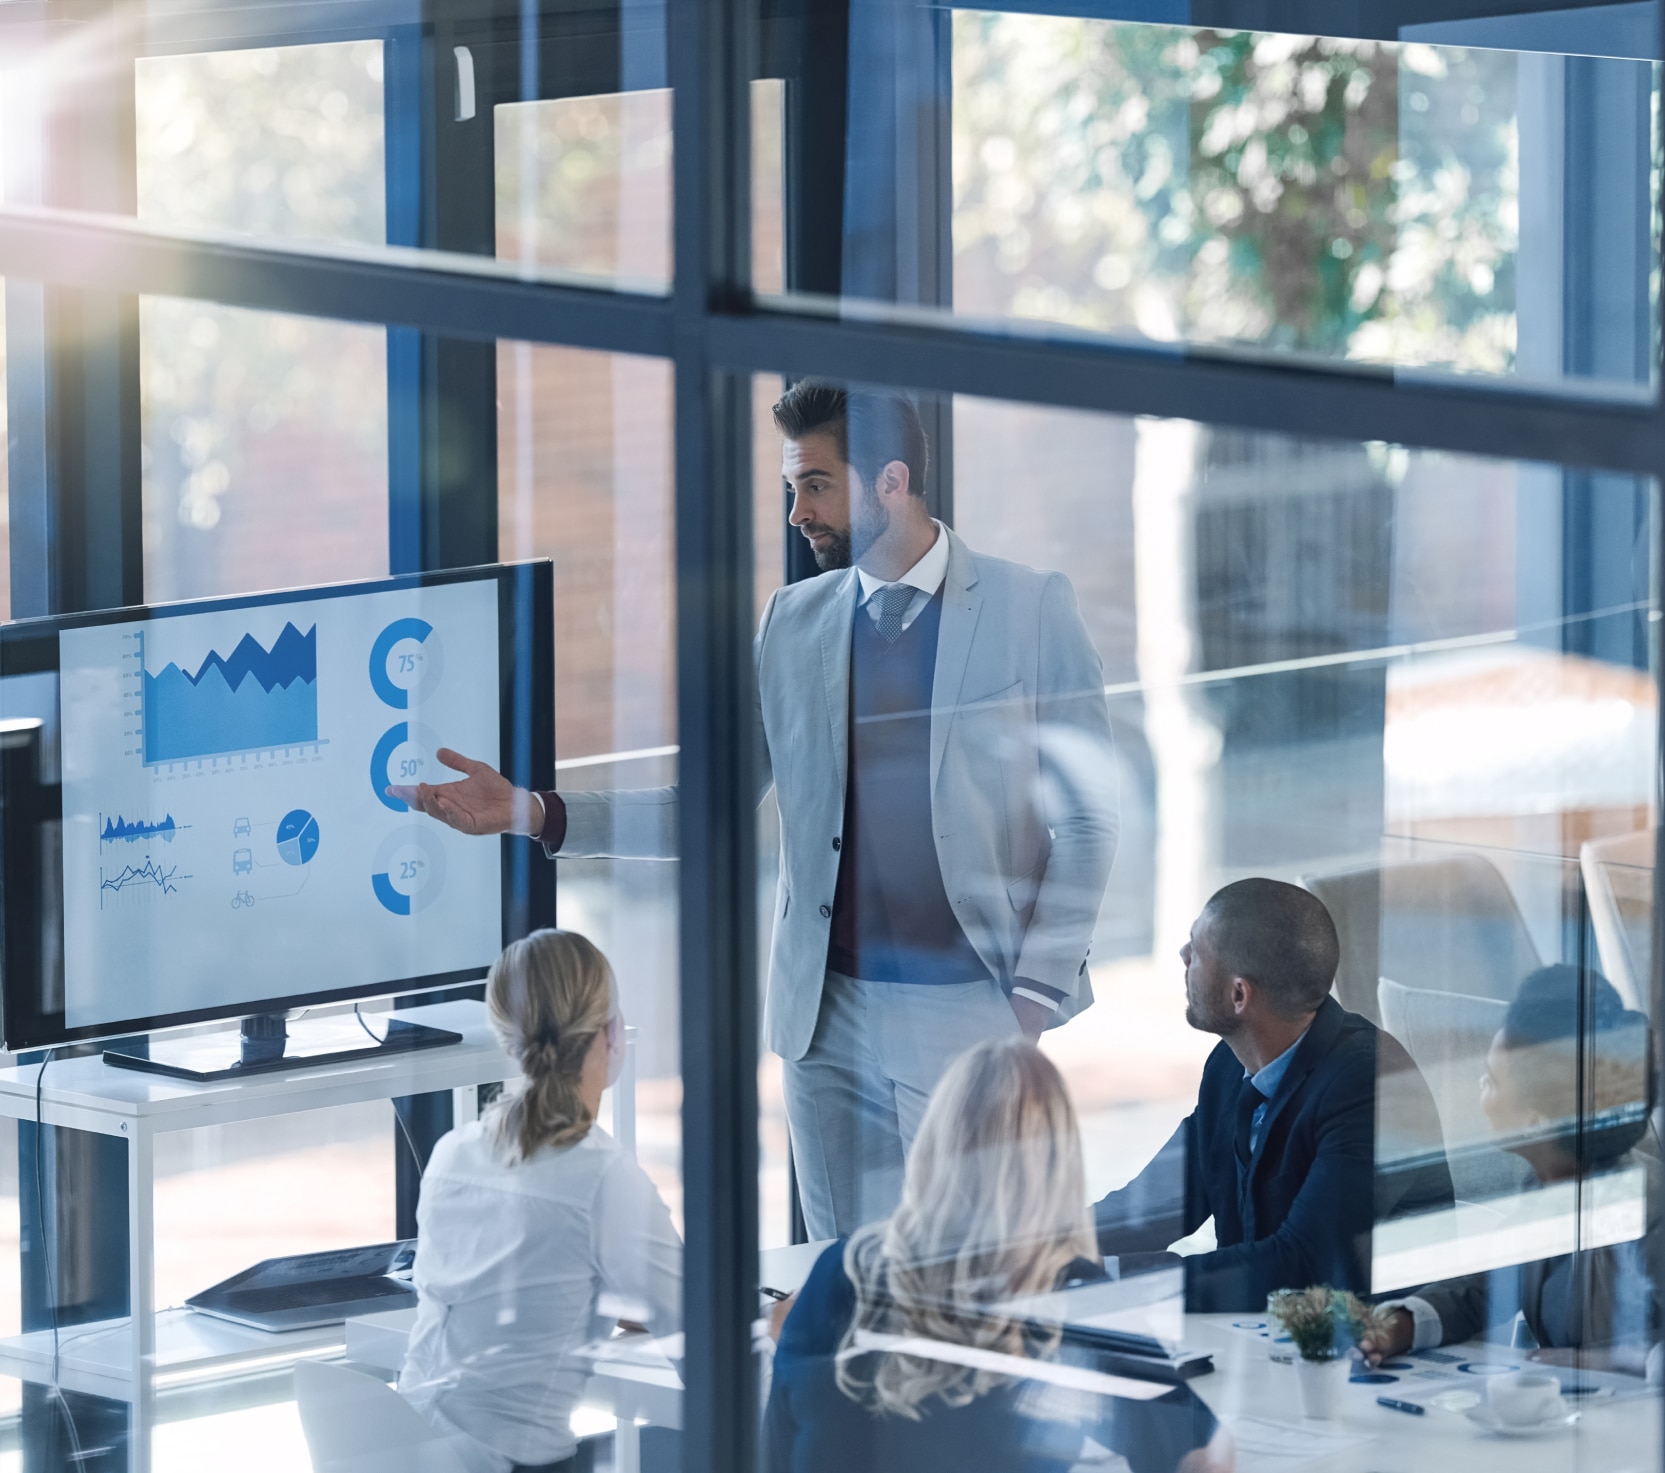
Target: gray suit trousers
<point x="855" y="1099"/>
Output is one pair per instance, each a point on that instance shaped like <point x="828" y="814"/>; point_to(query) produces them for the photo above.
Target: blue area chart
<point x="297" y="837"/>
<point x="119" y="830"/>
<point x="256" y="699"/>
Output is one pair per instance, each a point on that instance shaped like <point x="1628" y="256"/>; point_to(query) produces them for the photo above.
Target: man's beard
<point x="1207" y="1015"/>
<point x="836" y="554"/>
<point x="850" y="545"/>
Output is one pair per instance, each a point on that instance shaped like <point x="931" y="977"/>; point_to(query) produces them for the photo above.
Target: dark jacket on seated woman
<point x="910" y="1349"/>
<point x="1016" y="1427"/>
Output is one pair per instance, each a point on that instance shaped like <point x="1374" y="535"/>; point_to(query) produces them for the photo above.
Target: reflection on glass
<point x="1347" y="198"/>
<point x="265" y="449"/>
<point x="584" y="186"/>
<point x="1439" y="201"/>
<point x="281" y="141"/>
<point x="265" y="436"/>
<point x="584" y="478"/>
<point x="1371" y="998"/>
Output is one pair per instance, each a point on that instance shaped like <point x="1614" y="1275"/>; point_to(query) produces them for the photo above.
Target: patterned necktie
<point x="893" y="600"/>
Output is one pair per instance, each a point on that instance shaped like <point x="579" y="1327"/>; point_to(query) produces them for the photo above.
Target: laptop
<point x="309" y="1289"/>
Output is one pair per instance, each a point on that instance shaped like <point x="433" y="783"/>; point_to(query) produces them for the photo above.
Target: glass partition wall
<point x="1106" y="577"/>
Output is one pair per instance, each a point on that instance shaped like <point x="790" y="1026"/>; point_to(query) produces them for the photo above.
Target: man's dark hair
<point x="1279" y="937"/>
<point x="871" y="427"/>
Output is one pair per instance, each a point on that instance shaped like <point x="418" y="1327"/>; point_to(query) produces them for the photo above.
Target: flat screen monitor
<point x="193" y="816"/>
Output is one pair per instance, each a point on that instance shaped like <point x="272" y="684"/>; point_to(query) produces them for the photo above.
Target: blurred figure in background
<point x="1281" y="1149"/>
<point x="536" y="1231"/>
<point x="1603" y="1304"/>
<point x="994" y="1209"/>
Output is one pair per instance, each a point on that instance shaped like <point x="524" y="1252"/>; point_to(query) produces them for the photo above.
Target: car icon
<point x="240" y="829"/>
<point x="242" y="861"/>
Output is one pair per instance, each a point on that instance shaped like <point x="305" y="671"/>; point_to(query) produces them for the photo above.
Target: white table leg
<point x="465" y="1104"/>
<point x="627" y="1447"/>
<point x="141" y="1290"/>
<point x="624" y="1096"/>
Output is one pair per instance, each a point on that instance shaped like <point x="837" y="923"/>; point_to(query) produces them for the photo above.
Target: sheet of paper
<point x="1278" y="1447"/>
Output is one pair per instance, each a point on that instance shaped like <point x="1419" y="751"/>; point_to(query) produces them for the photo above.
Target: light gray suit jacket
<point x="1023" y="788"/>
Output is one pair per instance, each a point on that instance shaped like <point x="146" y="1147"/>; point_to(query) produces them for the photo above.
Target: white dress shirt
<point x="517" y="1266"/>
<point x="925" y="576"/>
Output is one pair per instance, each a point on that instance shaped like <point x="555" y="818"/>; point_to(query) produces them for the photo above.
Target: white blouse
<point x="516" y="1266"/>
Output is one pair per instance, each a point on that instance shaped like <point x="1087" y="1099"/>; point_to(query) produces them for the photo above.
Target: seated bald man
<point x="1281" y="1150"/>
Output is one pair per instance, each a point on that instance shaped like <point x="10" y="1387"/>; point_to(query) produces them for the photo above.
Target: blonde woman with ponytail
<point x="883" y="1363"/>
<point x="536" y="1231"/>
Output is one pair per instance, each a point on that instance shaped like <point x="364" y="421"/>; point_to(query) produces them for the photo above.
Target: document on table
<point x="1279" y="1447"/>
<point x="1456" y="1379"/>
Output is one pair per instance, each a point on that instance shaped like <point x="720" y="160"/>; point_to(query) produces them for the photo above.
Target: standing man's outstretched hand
<point x="483" y="801"/>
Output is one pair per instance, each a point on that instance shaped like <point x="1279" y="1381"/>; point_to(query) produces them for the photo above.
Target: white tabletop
<point x="88" y="1094"/>
<point x="1609" y="1437"/>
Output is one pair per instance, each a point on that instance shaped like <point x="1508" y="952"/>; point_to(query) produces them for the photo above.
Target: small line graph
<point x="149" y="876"/>
<point x="119" y="830"/>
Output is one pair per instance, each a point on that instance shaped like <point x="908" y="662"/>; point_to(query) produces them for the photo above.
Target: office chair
<point x="357" y="1423"/>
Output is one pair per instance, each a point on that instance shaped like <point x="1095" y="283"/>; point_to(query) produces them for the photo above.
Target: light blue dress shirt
<point x="1266" y="1079"/>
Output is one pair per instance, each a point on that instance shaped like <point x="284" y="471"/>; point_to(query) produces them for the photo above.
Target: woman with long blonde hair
<point x="903" y="1351"/>
<point x="532" y="1221"/>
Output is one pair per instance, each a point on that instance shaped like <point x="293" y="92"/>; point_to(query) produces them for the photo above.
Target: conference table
<point x="1259" y="1399"/>
<point x="1251" y="1389"/>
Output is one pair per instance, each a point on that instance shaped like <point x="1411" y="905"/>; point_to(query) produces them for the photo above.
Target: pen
<point x="1400" y="1406"/>
<point x="774" y="1293"/>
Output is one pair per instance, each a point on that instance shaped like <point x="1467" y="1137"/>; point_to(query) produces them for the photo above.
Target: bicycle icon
<point x="240" y="899"/>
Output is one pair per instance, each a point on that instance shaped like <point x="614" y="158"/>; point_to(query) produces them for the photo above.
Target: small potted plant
<point x="1325" y="1325"/>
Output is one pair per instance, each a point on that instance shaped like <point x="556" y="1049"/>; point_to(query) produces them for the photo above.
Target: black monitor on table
<point x="193" y="817"/>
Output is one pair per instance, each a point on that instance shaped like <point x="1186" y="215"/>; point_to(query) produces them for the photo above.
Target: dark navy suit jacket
<point x="1303" y="1212"/>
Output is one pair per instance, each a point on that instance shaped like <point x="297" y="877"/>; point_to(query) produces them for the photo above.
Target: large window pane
<point x="265" y="441"/>
<point x="585" y="467"/>
<point x="284" y="141"/>
<point x="265" y="435"/>
<point x="1476" y="196"/>
<point x="1371" y="732"/>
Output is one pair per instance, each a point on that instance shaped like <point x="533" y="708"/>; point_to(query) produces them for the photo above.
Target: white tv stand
<point x="107" y="1358"/>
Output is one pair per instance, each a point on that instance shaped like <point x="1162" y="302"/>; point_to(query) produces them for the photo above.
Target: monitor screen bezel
<point x="526" y="703"/>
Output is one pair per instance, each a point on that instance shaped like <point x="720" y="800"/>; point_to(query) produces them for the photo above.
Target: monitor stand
<point x="267" y="1042"/>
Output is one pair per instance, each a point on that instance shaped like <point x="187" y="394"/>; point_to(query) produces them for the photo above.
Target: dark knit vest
<point x="892" y="921"/>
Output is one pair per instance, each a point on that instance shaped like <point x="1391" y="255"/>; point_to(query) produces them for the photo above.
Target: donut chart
<point x="394" y="737"/>
<point x="408" y="872"/>
<point x="400" y="675"/>
<point x="416" y="765"/>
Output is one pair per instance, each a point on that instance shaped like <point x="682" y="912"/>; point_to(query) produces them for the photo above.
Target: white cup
<point x="1524" y="1398"/>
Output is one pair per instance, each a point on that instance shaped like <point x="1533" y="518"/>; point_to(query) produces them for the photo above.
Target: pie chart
<point x="297" y="837"/>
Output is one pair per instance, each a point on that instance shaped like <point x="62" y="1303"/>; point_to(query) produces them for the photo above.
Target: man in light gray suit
<point x="933" y="723"/>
